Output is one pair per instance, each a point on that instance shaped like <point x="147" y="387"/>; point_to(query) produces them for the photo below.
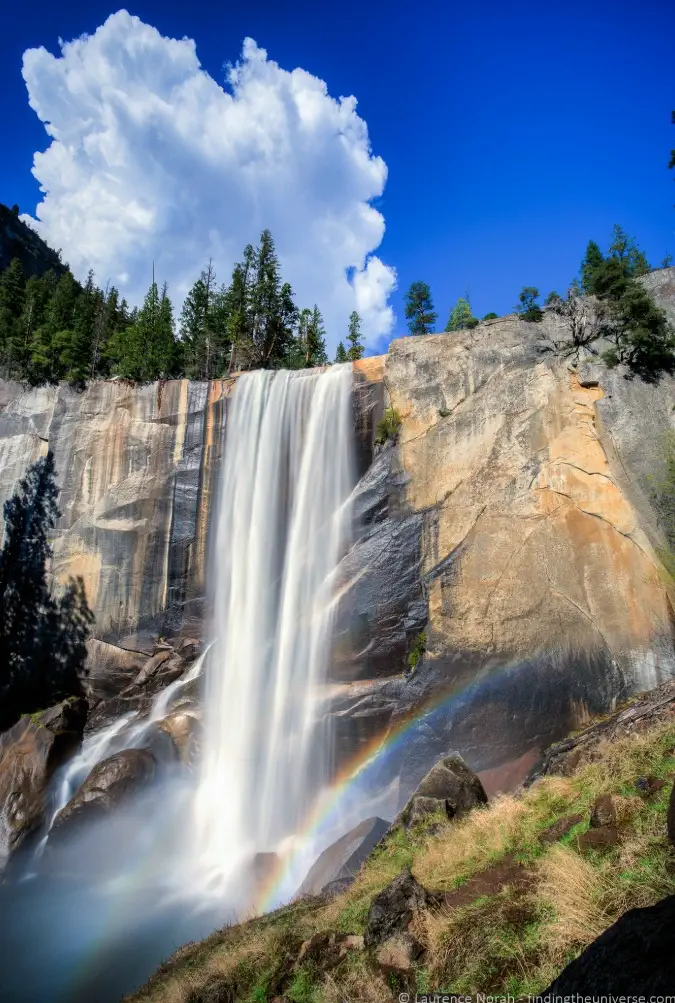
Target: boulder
<point x="634" y="956"/>
<point x="185" y="730"/>
<point x="600" y="838"/>
<point x="393" y="909"/>
<point x="449" y="786"/>
<point x="110" y="784"/>
<point x="341" y="860"/>
<point x="603" y="812"/>
<point x="30" y="752"/>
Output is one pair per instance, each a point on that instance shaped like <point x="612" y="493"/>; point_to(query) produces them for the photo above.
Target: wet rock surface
<point x="109" y="785"/>
<point x="30" y="752"/>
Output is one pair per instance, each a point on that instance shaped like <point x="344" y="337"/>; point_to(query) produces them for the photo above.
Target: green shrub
<point x="491" y="316"/>
<point x="388" y="427"/>
<point x="416" y="653"/>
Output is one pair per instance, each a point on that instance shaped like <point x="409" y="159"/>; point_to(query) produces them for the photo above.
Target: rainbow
<point x="370" y="758"/>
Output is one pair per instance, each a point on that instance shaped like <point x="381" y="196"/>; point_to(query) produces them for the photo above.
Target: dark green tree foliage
<point x="146" y="348"/>
<point x="42" y="637"/>
<point x="52" y="329"/>
<point x="491" y="316"/>
<point x="341" y="353"/>
<point x="419" y="309"/>
<point x="643" y="339"/>
<point x="553" y="299"/>
<point x="315" y="343"/>
<point x="589" y="266"/>
<point x="356" y="348"/>
<point x="12" y="299"/>
<point x="528" y="307"/>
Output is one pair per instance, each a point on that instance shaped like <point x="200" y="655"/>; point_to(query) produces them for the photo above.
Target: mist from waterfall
<point x="283" y="523"/>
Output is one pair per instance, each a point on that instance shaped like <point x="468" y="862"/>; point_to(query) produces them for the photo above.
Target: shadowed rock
<point x="341" y="861"/>
<point x="393" y="909"/>
<point x="30" y="752"/>
<point x="449" y="786"/>
<point x="635" y="955"/>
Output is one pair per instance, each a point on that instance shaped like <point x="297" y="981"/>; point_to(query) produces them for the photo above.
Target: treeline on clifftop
<point x="53" y="328"/>
<point x="42" y="636"/>
<point x="624" y="314"/>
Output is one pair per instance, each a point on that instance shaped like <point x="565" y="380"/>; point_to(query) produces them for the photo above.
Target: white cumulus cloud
<point x="151" y="160"/>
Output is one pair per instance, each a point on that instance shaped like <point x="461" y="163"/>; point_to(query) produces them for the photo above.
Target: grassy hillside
<point x="520" y="890"/>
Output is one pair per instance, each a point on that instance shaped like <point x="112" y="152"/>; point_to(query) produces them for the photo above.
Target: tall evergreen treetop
<point x="419" y="309"/>
<point x="356" y="348"/>
<point x="461" y="315"/>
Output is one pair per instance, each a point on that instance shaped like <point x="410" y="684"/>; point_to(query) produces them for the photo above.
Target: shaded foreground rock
<point x="635" y="955"/>
<point x="449" y="786"/>
<point x="340" y="862"/>
<point x="394" y="908"/>
<point x="30" y="752"/>
<point x="110" y="784"/>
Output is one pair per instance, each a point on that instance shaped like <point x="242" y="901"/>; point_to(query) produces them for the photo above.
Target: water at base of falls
<point x="181" y="860"/>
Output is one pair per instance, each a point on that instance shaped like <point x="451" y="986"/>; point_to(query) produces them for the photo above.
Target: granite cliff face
<point x="513" y="523"/>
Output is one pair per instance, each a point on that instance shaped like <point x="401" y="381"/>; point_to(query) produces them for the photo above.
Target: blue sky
<point x="512" y="133"/>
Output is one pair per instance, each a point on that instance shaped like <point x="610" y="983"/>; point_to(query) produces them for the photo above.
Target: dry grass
<point x="574" y="888"/>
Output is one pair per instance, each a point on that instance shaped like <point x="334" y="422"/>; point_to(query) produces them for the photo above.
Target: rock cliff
<point x="513" y="523"/>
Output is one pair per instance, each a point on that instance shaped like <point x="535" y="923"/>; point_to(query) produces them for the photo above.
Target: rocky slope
<point x="494" y="900"/>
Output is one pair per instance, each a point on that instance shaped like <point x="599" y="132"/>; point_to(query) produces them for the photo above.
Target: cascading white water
<point x="283" y="524"/>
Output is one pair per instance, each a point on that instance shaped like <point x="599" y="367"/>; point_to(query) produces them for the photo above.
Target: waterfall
<point x="283" y="523"/>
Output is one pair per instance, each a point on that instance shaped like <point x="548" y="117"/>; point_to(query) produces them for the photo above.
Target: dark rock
<point x="603" y="812"/>
<point x="109" y="784"/>
<point x="635" y="955"/>
<point x="341" y="861"/>
<point x="600" y="838"/>
<point x="30" y="752"/>
<point x="393" y="909"/>
<point x="671" y="816"/>
<point x="452" y="785"/>
<point x="188" y="648"/>
<point x="649" y="785"/>
<point x="325" y="950"/>
<point x="421" y="807"/>
<point x="559" y="829"/>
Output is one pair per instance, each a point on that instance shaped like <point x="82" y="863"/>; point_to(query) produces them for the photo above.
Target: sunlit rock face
<point x="520" y="494"/>
<point x="513" y="522"/>
<point x="136" y="469"/>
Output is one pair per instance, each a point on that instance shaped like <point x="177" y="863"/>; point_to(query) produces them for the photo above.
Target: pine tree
<point x="589" y="266"/>
<point x="461" y="316"/>
<point x="341" y="354"/>
<point x="356" y="349"/>
<point x="12" y="297"/>
<point x="315" y="345"/>
<point x="419" y="309"/>
<point x="42" y="638"/>
<point x="76" y="346"/>
<point x="528" y="307"/>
